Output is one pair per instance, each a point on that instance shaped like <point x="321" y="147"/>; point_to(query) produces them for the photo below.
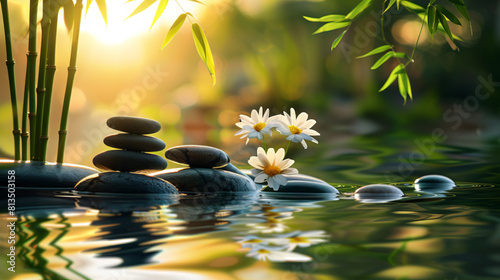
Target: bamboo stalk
<point x="31" y="72"/>
<point x="12" y="79"/>
<point x="49" y="83"/>
<point x="69" y="83"/>
<point x="40" y="90"/>
<point x="24" y="133"/>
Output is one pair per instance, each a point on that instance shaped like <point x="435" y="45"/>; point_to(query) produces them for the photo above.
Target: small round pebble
<point x="434" y="182"/>
<point x="134" y="142"/>
<point x="378" y="190"/>
<point x="303" y="186"/>
<point x="198" y="156"/>
<point x="134" y="125"/>
<point x="126" y="183"/>
<point x="128" y="161"/>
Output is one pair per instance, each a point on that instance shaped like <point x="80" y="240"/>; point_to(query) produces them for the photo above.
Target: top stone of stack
<point x="134" y="125"/>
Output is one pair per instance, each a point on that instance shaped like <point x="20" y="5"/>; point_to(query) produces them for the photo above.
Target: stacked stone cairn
<point x="131" y="160"/>
<point x="210" y="171"/>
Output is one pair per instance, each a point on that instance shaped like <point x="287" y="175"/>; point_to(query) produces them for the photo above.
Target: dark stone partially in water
<point x="378" y="193"/>
<point x="198" y="156"/>
<point x="203" y="180"/>
<point x="39" y="174"/>
<point x="128" y="161"/>
<point x="302" y="186"/>
<point x="231" y="168"/>
<point x="125" y="183"/>
<point x="434" y="182"/>
<point x="134" y="142"/>
<point x="134" y="125"/>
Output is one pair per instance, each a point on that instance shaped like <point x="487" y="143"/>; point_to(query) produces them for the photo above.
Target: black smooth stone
<point x="378" y="190"/>
<point x="125" y="183"/>
<point x="231" y="168"/>
<point x="39" y="174"/>
<point x="134" y="142"/>
<point x="134" y="125"/>
<point x="434" y="182"/>
<point x="302" y="186"/>
<point x="198" y="156"/>
<point x="203" y="180"/>
<point x="128" y="161"/>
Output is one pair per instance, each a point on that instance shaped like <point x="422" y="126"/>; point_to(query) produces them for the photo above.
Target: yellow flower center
<point x="272" y="170"/>
<point x="258" y="127"/>
<point x="298" y="239"/>
<point x="294" y="129"/>
<point x="263" y="251"/>
<point x="253" y="241"/>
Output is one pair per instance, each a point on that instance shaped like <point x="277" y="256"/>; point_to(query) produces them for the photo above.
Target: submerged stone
<point x="39" y="174"/>
<point x="198" y="156"/>
<point x="125" y="183"/>
<point x="134" y="125"/>
<point x="378" y="190"/>
<point x="203" y="180"/>
<point x="305" y="186"/>
<point x="134" y="142"/>
<point x="434" y="182"/>
<point x="128" y="161"/>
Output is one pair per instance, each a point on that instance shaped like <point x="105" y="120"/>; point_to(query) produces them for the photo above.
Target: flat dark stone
<point x="203" y="180"/>
<point x="198" y="156"/>
<point x="301" y="186"/>
<point x="125" y="183"/>
<point x="128" y="161"/>
<point x="378" y="190"/>
<point x="39" y="174"/>
<point x="231" y="168"/>
<point x="134" y="142"/>
<point x="434" y="182"/>
<point x="134" y="125"/>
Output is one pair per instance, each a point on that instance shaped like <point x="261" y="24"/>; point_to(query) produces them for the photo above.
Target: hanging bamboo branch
<point x="49" y="82"/>
<point x="69" y="83"/>
<point x="31" y="72"/>
<point x="12" y="79"/>
<point x="40" y="90"/>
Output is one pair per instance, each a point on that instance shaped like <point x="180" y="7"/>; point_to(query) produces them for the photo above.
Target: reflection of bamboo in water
<point x="31" y="233"/>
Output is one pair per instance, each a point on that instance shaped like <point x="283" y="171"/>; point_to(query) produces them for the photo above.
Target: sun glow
<point x="119" y="29"/>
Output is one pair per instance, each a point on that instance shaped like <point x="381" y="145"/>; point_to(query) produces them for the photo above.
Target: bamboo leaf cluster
<point x="435" y="16"/>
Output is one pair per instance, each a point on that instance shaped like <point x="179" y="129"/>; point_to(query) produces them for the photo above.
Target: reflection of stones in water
<point x="204" y="213"/>
<point x="124" y="227"/>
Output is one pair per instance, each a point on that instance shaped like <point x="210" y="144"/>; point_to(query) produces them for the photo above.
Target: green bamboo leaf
<point x="392" y="77"/>
<point x="203" y="49"/>
<point x="102" y="7"/>
<point x="448" y="14"/>
<point x="159" y="11"/>
<point x="398" y="3"/>
<point x="173" y="30"/>
<point x="446" y="28"/>
<point x="332" y="26"/>
<point x="457" y="2"/>
<point x="363" y="5"/>
<point x="382" y="60"/>
<point x="432" y="20"/>
<point x="376" y="51"/>
<point x="402" y="86"/>
<point x="417" y="9"/>
<point x="391" y="3"/>
<point x="408" y="85"/>
<point x="338" y="39"/>
<point x="463" y="10"/>
<point x="327" y="18"/>
<point x="143" y="6"/>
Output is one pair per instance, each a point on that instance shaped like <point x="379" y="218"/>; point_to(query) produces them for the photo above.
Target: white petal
<point x="295" y="138"/>
<point x="286" y="164"/>
<point x="266" y="116"/>
<point x="304" y="144"/>
<point x="262" y="178"/>
<point x="308" y="124"/>
<point x="280" y="179"/>
<point x="260" y="150"/>
<point x="255" y="116"/>
<point x="240" y="132"/>
<point x="255" y="162"/>
<point x="273" y="184"/>
<point x="248" y="139"/>
<point x="263" y="158"/>
<point x="280" y="155"/>
<point x="302" y="118"/>
<point x="245" y="119"/>
<point x="254" y="134"/>
<point x="310" y="132"/>
<point x="290" y="171"/>
<point x="248" y="128"/>
<point x="293" y="116"/>
<point x="256" y="171"/>
<point x="278" y="256"/>
<point x="271" y="155"/>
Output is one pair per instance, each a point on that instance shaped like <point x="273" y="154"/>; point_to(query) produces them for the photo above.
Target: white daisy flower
<point x="276" y="254"/>
<point x="300" y="239"/>
<point x="270" y="166"/>
<point x="297" y="128"/>
<point x="257" y="125"/>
